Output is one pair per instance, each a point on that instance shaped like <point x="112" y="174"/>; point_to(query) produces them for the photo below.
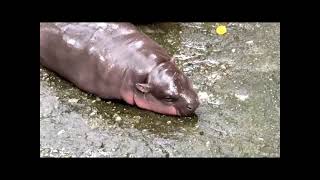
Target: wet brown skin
<point x="116" y="61"/>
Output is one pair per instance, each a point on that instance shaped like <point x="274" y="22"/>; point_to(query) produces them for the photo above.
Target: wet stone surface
<point x="237" y="78"/>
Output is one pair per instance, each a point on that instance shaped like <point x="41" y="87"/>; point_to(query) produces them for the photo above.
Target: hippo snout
<point x="189" y="106"/>
<point x="192" y="106"/>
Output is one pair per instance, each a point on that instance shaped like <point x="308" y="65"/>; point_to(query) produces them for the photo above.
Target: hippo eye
<point x="169" y="98"/>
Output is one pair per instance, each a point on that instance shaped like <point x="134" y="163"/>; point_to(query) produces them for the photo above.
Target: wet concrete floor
<point x="237" y="78"/>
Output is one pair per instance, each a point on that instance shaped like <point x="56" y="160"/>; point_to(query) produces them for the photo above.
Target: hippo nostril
<point x="189" y="107"/>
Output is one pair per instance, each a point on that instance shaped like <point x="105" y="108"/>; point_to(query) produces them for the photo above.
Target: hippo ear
<point x="145" y="88"/>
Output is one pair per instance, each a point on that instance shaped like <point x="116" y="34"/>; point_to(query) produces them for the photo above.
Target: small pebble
<point x="249" y="42"/>
<point x="242" y="97"/>
<point x="223" y="66"/>
<point x="207" y="143"/>
<point x="233" y="50"/>
<point x="118" y="118"/>
<point x="73" y="100"/>
<point x="108" y="102"/>
<point x="201" y="133"/>
<point x="98" y="99"/>
<point x="168" y="122"/>
<point x="61" y="132"/>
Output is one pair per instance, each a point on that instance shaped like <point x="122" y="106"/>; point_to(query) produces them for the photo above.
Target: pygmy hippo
<point x="117" y="61"/>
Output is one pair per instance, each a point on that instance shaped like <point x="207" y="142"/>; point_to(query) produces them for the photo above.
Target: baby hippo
<point x="117" y="61"/>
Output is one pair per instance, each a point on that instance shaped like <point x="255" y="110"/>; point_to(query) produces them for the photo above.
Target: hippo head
<point x="167" y="91"/>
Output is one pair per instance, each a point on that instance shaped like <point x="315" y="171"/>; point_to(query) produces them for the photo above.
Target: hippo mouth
<point x="185" y="112"/>
<point x="152" y="105"/>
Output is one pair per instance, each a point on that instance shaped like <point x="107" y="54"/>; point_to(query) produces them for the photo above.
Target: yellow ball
<point x="221" y="30"/>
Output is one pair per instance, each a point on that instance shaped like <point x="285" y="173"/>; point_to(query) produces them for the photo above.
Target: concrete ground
<point x="237" y="77"/>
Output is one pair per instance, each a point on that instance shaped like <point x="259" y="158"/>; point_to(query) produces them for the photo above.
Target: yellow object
<point x="221" y="30"/>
